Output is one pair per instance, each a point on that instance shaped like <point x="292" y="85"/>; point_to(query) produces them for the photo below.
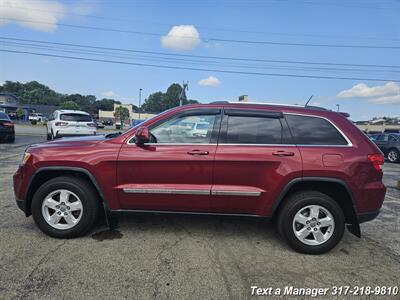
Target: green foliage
<point x="19" y="112"/>
<point x="158" y="102"/>
<point x="121" y="113"/>
<point x="34" y="92"/>
<point x="70" y="105"/>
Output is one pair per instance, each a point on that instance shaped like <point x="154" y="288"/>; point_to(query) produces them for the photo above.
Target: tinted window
<point x="314" y="131"/>
<point x="75" y="118"/>
<point x="392" y="138"/>
<point x="4" y="116"/>
<point x="253" y="130"/>
<point x="182" y="130"/>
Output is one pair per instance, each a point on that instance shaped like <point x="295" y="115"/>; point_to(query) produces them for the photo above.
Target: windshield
<point x="4" y="116"/>
<point x="75" y="118"/>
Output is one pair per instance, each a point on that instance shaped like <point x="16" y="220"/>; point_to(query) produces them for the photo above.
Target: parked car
<point x="118" y="125"/>
<point x="37" y="117"/>
<point x="67" y="123"/>
<point x="98" y="125"/>
<point x="310" y="170"/>
<point x="7" y="132"/>
<point x="108" y="123"/>
<point x="136" y="122"/>
<point x="389" y="143"/>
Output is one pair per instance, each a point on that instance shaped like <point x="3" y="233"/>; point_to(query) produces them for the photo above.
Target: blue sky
<point x="351" y="22"/>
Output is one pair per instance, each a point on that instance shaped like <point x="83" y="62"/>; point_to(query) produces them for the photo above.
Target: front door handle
<point x="283" y="153"/>
<point x="198" y="152"/>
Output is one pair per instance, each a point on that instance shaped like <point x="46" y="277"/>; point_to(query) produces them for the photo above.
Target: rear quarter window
<point x="308" y="130"/>
<point x="75" y="118"/>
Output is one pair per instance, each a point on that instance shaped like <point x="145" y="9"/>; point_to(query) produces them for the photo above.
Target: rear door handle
<point x="198" y="152"/>
<point x="283" y="153"/>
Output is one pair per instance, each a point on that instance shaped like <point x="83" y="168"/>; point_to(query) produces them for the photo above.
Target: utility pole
<point x="185" y="86"/>
<point x="140" y="101"/>
<point x="338" y="107"/>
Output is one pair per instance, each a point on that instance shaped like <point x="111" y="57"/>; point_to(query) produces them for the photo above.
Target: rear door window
<point x="253" y="130"/>
<point x="307" y="130"/>
<point x="75" y="118"/>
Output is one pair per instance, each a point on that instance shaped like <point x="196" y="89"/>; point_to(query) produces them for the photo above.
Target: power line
<point x="199" y="69"/>
<point x="302" y="44"/>
<point x="208" y="39"/>
<point x="203" y="56"/>
<point x="200" y="27"/>
<point x="191" y="61"/>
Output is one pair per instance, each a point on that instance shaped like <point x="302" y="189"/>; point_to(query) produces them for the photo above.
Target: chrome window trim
<point x="175" y="144"/>
<point x="349" y="143"/>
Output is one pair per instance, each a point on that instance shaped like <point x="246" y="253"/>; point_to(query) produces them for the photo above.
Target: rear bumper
<point x="369" y="216"/>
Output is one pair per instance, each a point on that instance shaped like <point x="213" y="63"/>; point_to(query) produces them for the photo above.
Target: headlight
<point x="27" y="155"/>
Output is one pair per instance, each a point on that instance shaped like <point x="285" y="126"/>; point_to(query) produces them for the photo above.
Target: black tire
<point x="49" y="136"/>
<point x="293" y="204"/>
<point x="87" y="195"/>
<point x="393" y="155"/>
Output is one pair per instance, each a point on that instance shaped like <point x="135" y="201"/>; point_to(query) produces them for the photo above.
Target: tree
<point x="70" y="105"/>
<point x="158" y="102"/>
<point x="121" y="113"/>
<point x="19" y="112"/>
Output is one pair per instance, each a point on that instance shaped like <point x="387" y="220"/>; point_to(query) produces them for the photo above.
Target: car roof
<point x="70" y="111"/>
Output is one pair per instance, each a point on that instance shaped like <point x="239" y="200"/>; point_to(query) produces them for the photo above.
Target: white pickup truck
<point x="37" y="117"/>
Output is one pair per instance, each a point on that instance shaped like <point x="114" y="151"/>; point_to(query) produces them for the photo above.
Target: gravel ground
<point x="183" y="257"/>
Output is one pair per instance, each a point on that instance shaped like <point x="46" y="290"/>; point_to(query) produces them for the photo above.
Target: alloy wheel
<point x="313" y="225"/>
<point x="393" y="156"/>
<point x="62" y="209"/>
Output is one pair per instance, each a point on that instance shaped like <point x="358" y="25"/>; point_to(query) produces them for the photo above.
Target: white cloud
<point x="26" y="13"/>
<point x="362" y="90"/>
<point x="388" y="93"/>
<point x="387" y="100"/>
<point x="109" y="94"/>
<point x="210" y="81"/>
<point x="181" y="37"/>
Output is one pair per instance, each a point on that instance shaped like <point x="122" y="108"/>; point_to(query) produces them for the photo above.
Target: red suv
<point x="308" y="168"/>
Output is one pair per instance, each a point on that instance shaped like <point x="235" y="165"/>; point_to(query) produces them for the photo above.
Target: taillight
<point x="377" y="160"/>
<point x="91" y="124"/>
<point x="61" y="123"/>
<point x="8" y="124"/>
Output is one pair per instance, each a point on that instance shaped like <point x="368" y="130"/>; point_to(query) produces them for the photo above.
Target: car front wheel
<point x="311" y="222"/>
<point x="65" y="207"/>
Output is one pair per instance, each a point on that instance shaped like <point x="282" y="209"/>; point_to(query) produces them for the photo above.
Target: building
<point x="244" y="98"/>
<point x="105" y="115"/>
<point x="9" y="104"/>
<point x="380" y="125"/>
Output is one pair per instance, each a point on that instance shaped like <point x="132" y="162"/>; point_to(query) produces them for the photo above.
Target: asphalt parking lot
<point x="183" y="257"/>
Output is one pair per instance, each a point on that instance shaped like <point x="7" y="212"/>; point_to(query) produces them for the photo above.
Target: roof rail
<point x="271" y="103"/>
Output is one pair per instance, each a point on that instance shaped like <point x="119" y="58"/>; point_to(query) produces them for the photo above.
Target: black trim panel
<point x="365" y="217"/>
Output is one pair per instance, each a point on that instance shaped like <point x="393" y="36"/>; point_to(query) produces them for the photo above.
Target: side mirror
<point x="142" y="135"/>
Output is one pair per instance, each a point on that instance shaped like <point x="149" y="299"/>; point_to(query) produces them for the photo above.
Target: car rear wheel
<point x="311" y="222"/>
<point x="65" y="207"/>
<point x="393" y="155"/>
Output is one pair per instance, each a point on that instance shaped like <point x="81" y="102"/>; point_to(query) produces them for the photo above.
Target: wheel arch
<point x="336" y="188"/>
<point x="44" y="174"/>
